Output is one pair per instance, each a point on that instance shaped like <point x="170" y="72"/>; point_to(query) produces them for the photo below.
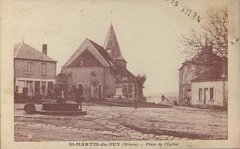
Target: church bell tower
<point x="112" y="47"/>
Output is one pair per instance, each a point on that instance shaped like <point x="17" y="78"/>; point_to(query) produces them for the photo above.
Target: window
<point x="43" y="87"/>
<point x="37" y="86"/>
<point x="188" y="93"/>
<point x="211" y="94"/>
<point x="43" y="68"/>
<point x="50" y="85"/>
<point x="29" y="67"/>
<point x="124" y="78"/>
<point x="124" y="89"/>
<point x="200" y="94"/>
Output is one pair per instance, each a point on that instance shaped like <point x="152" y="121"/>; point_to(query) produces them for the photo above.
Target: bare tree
<point x="215" y="30"/>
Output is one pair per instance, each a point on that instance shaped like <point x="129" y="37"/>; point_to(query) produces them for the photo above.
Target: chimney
<point x="44" y="49"/>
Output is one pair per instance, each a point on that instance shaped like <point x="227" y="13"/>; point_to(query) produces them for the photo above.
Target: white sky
<point x="147" y="31"/>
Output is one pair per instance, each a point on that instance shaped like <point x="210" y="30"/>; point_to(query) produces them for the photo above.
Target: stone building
<point x="101" y="71"/>
<point x="194" y="68"/>
<point x="33" y="70"/>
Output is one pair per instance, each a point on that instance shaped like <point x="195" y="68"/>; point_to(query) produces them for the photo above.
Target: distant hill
<point x="156" y="97"/>
<point x="166" y="94"/>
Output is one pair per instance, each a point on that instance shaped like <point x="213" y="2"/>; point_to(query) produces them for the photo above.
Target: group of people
<point x="78" y="95"/>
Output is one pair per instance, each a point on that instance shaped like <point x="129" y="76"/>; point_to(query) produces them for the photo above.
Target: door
<point x="37" y="87"/>
<point x="205" y="95"/>
<point x="50" y="88"/>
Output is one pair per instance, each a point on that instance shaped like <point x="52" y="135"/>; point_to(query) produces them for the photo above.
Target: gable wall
<point x="83" y="75"/>
<point x="85" y="59"/>
<point x="87" y="45"/>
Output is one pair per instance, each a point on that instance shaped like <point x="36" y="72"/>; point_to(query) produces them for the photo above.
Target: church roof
<point x="112" y="43"/>
<point x="102" y="51"/>
<point x="122" y="70"/>
<point x="118" y="68"/>
<point x="24" y="51"/>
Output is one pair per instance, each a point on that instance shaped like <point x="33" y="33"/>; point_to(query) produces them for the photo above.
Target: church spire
<point x="111" y="45"/>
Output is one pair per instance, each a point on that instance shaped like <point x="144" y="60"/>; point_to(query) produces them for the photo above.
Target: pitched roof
<point x="122" y="70"/>
<point x="166" y="101"/>
<point x="218" y="71"/>
<point x="112" y="43"/>
<point x="205" y="56"/>
<point x="24" y="51"/>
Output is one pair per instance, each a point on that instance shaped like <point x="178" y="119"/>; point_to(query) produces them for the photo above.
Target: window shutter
<point x="36" y="67"/>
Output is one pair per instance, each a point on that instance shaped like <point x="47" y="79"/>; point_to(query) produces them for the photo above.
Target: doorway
<point x="29" y="85"/>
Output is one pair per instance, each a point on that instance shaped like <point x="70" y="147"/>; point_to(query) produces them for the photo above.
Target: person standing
<point x="78" y="93"/>
<point x="79" y="97"/>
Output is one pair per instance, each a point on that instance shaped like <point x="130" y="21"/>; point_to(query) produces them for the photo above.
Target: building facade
<point x="193" y="68"/>
<point x="33" y="70"/>
<point x="211" y="87"/>
<point x="100" y="71"/>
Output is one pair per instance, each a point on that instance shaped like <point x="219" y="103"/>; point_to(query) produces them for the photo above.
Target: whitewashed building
<point x="211" y="87"/>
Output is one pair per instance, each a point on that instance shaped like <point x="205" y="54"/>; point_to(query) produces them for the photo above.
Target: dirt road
<point x="108" y="123"/>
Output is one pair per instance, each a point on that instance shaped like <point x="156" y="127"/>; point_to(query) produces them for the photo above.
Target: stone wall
<point x="91" y="78"/>
<point x="220" y="90"/>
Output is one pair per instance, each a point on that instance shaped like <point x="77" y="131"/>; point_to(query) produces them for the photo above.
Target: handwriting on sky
<point x="185" y="10"/>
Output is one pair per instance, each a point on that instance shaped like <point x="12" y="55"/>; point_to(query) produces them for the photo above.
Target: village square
<point x="96" y="95"/>
<point x="116" y="109"/>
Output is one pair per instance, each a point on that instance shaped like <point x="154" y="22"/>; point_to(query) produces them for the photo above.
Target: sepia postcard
<point x="85" y="74"/>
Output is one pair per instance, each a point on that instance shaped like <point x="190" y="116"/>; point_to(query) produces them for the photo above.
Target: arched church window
<point x="124" y="89"/>
<point x="99" y="90"/>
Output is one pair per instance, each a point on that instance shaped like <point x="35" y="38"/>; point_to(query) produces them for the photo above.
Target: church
<point x="100" y="71"/>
